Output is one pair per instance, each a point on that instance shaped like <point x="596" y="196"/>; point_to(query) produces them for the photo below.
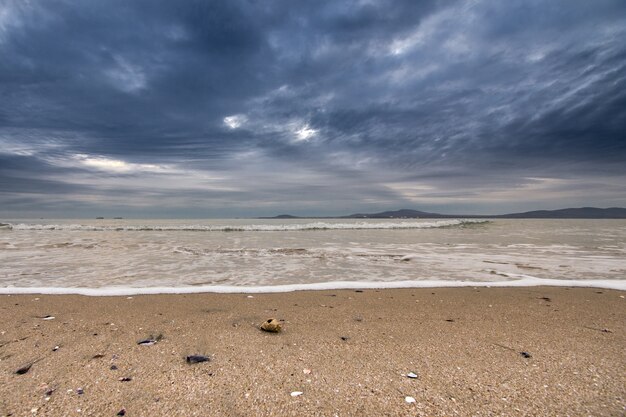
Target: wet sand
<point x="348" y="353"/>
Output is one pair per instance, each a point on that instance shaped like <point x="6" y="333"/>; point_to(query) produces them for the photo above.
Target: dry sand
<point x="464" y="344"/>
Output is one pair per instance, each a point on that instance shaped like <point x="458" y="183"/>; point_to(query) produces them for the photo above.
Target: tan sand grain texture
<point x="464" y="344"/>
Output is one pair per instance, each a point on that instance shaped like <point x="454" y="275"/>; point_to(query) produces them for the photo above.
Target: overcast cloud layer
<point x="244" y="108"/>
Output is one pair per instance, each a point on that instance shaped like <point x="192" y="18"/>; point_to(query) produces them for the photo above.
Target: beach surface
<point x="474" y="351"/>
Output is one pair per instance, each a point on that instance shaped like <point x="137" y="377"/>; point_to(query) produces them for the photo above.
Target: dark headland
<point x="567" y="213"/>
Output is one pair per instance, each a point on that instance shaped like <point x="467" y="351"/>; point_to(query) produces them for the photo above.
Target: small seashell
<point x="296" y="393"/>
<point x="48" y="317"/>
<point x="409" y="400"/>
<point x="411" y="375"/>
<point x="272" y="326"/>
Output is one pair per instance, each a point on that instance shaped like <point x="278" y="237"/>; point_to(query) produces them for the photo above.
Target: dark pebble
<point x="358" y="290"/>
<point x="113" y="368"/>
<point x="526" y="355"/>
<point x="197" y="359"/>
<point x="122" y="412"/>
<point x="80" y="391"/>
<point x="450" y="320"/>
<point x="24" y="369"/>
<point x="126" y="379"/>
<point x="344" y="338"/>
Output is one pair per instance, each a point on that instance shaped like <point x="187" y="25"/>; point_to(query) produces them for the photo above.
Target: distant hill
<point x="281" y="216"/>
<point x="397" y="214"/>
<point x="568" y="213"/>
<point x="571" y="213"/>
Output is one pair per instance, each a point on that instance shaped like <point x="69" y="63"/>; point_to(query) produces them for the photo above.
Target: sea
<point x="141" y="256"/>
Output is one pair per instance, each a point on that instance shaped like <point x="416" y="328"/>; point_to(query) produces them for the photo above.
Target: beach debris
<point x="409" y="400"/>
<point x="524" y="354"/>
<point x="22" y="370"/>
<point x="150" y="340"/>
<point x="450" y="320"/>
<point x="191" y="359"/>
<point x="306" y="371"/>
<point x="296" y="393"/>
<point x="548" y="299"/>
<point x="125" y="379"/>
<point x="411" y="375"/>
<point x="48" y="317"/>
<point x="80" y="391"/>
<point x="345" y="338"/>
<point x="113" y="367"/>
<point x="603" y="330"/>
<point x="358" y="290"/>
<point x="49" y="392"/>
<point x="97" y="356"/>
<point x="272" y="325"/>
<point x="122" y="412"/>
<point x="57" y="347"/>
<point x="250" y="296"/>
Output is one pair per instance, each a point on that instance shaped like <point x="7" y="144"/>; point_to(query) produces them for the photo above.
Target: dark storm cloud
<point x="247" y="106"/>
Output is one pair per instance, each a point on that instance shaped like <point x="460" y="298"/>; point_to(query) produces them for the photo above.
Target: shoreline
<point x="348" y="352"/>
<point x="522" y="281"/>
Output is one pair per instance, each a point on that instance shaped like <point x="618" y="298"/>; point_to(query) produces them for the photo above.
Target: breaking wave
<point x="250" y="228"/>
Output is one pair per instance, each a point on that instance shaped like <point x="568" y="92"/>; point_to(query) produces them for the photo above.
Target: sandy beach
<point x="475" y="351"/>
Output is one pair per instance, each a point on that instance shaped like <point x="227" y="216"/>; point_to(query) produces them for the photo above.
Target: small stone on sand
<point x="191" y="359"/>
<point x="24" y="369"/>
<point x="296" y="393"/>
<point x="409" y="400"/>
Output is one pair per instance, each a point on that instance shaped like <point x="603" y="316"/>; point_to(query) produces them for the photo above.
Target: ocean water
<point x="99" y="257"/>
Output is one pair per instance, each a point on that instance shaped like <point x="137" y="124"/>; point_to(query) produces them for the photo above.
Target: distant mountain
<point x="568" y="213"/>
<point x="571" y="213"/>
<point x="281" y="216"/>
<point x="397" y="214"/>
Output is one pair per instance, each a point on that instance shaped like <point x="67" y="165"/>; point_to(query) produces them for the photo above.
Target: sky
<point x="253" y="108"/>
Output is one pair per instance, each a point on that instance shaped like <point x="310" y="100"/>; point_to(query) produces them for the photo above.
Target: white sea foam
<point x="283" y="227"/>
<point x="525" y="281"/>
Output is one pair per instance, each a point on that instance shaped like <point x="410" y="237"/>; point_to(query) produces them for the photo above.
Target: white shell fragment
<point x="296" y="393"/>
<point x="411" y="375"/>
<point x="409" y="400"/>
<point x="48" y="318"/>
